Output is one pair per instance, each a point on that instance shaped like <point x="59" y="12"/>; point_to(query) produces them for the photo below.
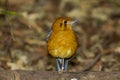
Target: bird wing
<point x="49" y="34"/>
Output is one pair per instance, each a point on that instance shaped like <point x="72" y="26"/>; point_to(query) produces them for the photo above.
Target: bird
<point x="62" y="41"/>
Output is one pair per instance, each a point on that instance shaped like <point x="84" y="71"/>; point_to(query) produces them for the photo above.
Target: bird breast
<point x="63" y="43"/>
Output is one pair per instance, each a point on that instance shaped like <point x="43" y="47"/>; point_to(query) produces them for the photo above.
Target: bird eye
<point x="65" y="21"/>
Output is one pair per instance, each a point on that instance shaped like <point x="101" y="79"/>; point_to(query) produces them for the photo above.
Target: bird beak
<point x="74" y="21"/>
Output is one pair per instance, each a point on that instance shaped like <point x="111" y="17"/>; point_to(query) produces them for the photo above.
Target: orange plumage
<point x="62" y="42"/>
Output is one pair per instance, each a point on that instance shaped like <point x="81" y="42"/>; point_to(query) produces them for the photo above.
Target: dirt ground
<point x="24" y="28"/>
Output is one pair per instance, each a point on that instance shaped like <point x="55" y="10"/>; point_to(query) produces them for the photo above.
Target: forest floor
<point x="23" y="34"/>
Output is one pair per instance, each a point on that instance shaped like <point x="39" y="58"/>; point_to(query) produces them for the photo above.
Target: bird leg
<point x="61" y="64"/>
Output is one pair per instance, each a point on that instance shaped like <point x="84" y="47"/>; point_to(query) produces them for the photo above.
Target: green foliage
<point x="8" y="12"/>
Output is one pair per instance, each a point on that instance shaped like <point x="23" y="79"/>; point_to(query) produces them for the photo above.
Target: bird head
<point x="63" y="23"/>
